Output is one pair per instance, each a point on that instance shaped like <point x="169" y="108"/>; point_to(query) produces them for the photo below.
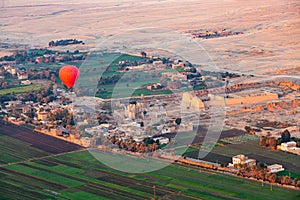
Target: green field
<point x="289" y="173"/>
<point x="251" y="148"/>
<point x="20" y="89"/>
<point x="80" y="176"/>
<point x="131" y="83"/>
<point x="123" y="91"/>
<point x="14" y="150"/>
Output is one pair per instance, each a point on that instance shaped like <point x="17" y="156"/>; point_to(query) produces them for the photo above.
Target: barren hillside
<point x="269" y="45"/>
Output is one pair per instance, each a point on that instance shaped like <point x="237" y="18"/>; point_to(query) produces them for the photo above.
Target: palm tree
<point x="273" y="178"/>
<point x="295" y="181"/>
<point x="143" y="54"/>
<point x="285" y="180"/>
<point x="261" y="175"/>
<point x="267" y="176"/>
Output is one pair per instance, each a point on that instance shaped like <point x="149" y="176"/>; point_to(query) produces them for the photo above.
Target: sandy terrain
<point x="269" y="45"/>
<point x="3" y="53"/>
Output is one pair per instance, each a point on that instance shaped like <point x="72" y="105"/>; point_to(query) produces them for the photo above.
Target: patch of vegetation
<point x="14" y="150"/>
<point x="77" y="175"/>
<point x="65" y="42"/>
<point x="252" y="149"/>
<point x="20" y="89"/>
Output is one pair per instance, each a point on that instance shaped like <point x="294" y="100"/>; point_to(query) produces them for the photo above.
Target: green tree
<point x="295" y="181"/>
<point x="248" y="129"/>
<point x="285" y="180"/>
<point x="263" y="141"/>
<point x="143" y="54"/>
<point x="178" y="121"/>
<point x="285" y="136"/>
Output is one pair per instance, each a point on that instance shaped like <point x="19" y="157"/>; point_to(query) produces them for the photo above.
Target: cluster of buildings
<point x="39" y="115"/>
<point x="126" y="132"/>
<point x="183" y="75"/>
<point x="143" y="118"/>
<point x="141" y="65"/>
<point x="276" y="132"/>
<point x="242" y="160"/>
<point x="269" y="107"/>
<point x="17" y="70"/>
<point x="155" y="86"/>
<point x="37" y="112"/>
<point x="19" y="73"/>
<point x="290" y="147"/>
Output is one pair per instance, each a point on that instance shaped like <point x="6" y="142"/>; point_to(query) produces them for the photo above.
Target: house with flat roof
<point x="275" y="168"/>
<point x="286" y="145"/>
<point x="242" y="160"/>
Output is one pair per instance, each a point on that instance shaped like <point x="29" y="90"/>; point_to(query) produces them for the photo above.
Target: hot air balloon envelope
<point x="69" y="75"/>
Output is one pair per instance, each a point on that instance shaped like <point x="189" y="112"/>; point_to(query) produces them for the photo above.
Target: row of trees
<point x="133" y="146"/>
<point x="260" y="172"/>
<point x="109" y="80"/>
<point x="22" y="56"/>
<point x="267" y="141"/>
<point x="65" y="42"/>
<point x="271" y="142"/>
<point x="44" y="95"/>
<point x="33" y="74"/>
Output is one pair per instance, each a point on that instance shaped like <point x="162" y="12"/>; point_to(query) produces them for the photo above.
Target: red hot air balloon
<point x="69" y="75"/>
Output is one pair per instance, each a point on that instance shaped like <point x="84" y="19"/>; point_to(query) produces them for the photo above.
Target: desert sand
<point x="269" y="46"/>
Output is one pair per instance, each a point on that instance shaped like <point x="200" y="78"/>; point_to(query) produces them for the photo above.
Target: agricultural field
<point x="122" y="90"/>
<point x="20" y="89"/>
<point x="103" y="65"/>
<point x="80" y="176"/>
<point x="203" y="132"/>
<point x="124" y="84"/>
<point x="21" y="143"/>
<point x="249" y="146"/>
<point x="14" y="150"/>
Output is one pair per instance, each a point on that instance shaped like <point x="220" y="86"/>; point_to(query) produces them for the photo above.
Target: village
<point x="149" y="100"/>
<point x="159" y="125"/>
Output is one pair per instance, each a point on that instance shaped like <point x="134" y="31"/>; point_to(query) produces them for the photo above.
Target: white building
<point x="27" y="82"/>
<point x="286" y="145"/>
<point x="138" y="139"/>
<point x="250" y="162"/>
<point x="96" y="130"/>
<point x="22" y="76"/>
<point x="242" y="159"/>
<point x="238" y="159"/>
<point x="290" y="147"/>
<point x="157" y="63"/>
<point x="162" y="140"/>
<point x="168" y="129"/>
<point x="275" y="168"/>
